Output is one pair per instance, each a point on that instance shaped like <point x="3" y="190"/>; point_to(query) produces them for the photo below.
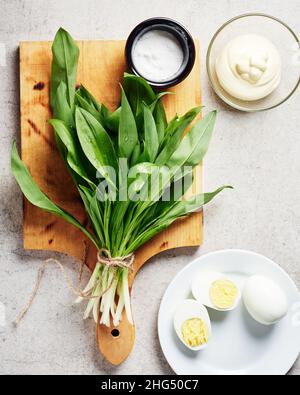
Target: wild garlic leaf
<point x="36" y="197"/>
<point x="151" y="137"/>
<point x="83" y="103"/>
<point x="159" y="96"/>
<point x="111" y="120"/>
<point x="179" y="209"/>
<point x="163" y="179"/>
<point x="160" y="120"/>
<point x="135" y="181"/>
<point x="170" y="197"/>
<point x="138" y="91"/>
<point x="147" y="235"/>
<point x="193" y="204"/>
<point x="64" y="66"/>
<point x="62" y="109"/>
<point x="172" y="125"/>
<point x="194" y="145"/>
<point x="135" y="155"/>
<point x="178" y="127"/>
<point x="90" y="201"/>
<point x="85" y="94"/>
<point x="96" y="144"/>
<point x="106" y="224"/>
<point x="128" y="136"/>
<point x="178" y="188"/>
<point x="74" y="156"/>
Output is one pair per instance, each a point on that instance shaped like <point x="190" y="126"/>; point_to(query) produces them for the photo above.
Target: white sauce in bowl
<point x="249" y="67"/>
<point x="157" y="55"/>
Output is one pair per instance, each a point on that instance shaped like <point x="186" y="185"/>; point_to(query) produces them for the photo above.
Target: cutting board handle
<point x="115" y="344"/>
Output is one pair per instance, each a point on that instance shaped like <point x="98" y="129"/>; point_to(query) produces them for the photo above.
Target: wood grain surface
<point x="101" y="67"/>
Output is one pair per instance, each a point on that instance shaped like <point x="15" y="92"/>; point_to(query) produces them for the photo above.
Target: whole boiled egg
<point x="192" y="324"/>
<point x="265" y="300"/>
<point x="216" y="291"/>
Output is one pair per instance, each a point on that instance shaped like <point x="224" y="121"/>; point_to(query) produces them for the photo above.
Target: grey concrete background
<point x="258" y="154"/>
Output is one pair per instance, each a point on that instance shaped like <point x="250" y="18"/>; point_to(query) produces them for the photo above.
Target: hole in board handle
<point x="115" y="333"/>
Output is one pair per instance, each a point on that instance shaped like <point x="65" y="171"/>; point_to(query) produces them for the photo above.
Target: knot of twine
<point x="104" y="257"/>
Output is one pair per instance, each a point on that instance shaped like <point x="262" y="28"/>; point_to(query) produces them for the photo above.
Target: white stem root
<point x="106" y="283"/>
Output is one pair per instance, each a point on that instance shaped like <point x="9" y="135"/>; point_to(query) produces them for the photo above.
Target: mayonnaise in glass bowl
<point x="276" y="84"/>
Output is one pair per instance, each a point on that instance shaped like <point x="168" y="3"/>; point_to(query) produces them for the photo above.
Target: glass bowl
<point x="287" y="44"/>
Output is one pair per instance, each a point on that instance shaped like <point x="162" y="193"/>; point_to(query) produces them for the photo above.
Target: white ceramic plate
<point x="239" y="345"/>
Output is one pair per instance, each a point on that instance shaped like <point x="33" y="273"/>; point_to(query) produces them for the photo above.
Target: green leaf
<point x="138" y="91"/>
<point x="135" y="155"/>
<point x="93" y="209"/>
<point x="184" y="207"/>
<point x="177" y="190"/>
<point x="64" y="66"/>
<point x="74" y="155"/>
<point x="194" y="145"/>
<point x="169" y="199"/>
<point x="36" y="197"/>
<point x="146" y="236"/>
<point x="176" y="130"/>
<point x="111" y="119"/>
<point x="179" y="209"/>
<point x="135" y="182"/>
<point x="172" y="125"/>
<point x="151" y="137"/>
<point x="189" y="153"/>
<point x="106" y="224"/>
<point x="85" y="94"/>
<point x="160" y="120"/>
<point x="96" y="143"/>
<point x="83" y="103"/>
<point x="163" y="179"/>
<point x="128" y="137"/>
<point x="62" y="109"/>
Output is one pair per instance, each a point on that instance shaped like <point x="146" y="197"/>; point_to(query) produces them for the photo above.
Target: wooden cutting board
<point x="101" y="67"/>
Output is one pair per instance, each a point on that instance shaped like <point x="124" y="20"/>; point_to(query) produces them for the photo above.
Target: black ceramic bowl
<point x="183" y="36"/>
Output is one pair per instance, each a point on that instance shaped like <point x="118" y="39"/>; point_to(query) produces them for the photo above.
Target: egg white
<point x="201" y="288"/>
<point x="265" y="301"/>
<point x="191" y="309"/>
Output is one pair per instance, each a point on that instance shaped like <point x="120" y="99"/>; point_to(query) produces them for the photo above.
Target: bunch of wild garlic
<point x="131" y="168"/>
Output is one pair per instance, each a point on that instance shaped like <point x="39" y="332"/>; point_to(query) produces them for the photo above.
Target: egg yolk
<point x="223" y="294"/>
<point x="194" y="332"/>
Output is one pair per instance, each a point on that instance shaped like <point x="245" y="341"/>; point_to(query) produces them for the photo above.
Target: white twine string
<point x="104" y="257"/>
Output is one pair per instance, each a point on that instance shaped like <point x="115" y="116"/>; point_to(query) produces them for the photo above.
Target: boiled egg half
<point x="216" y="291"/>
<point x="192" y="324"/>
